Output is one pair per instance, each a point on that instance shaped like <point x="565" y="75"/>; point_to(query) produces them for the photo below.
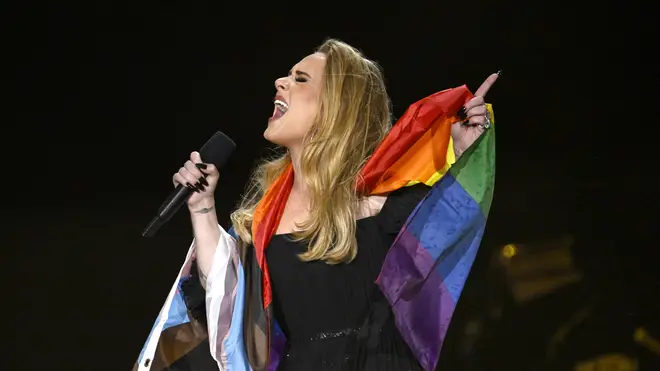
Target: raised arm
<point x="202" y="178"/>
<point x="207" y="236"/>
<point x="212" y="296"/>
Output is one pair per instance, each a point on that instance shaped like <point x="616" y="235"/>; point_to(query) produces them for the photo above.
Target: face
<point x="297" y="102"/>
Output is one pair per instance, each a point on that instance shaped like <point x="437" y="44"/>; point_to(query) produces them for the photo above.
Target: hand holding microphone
<point x="195" y="182"/>
<point x="199" y="177"/>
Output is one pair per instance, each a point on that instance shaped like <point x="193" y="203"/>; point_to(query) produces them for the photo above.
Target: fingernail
<point x="201" y="166"/>
<point x="462" y="113"/>
<point x="499" y="73"/>
<point x="203" y="181"/>
<point x="190" y="186"/>
<point x="199" y="186"/>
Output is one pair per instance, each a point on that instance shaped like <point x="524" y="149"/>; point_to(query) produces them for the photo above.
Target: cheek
<point x="312" y="106"/>
<point x="305" y="113"/>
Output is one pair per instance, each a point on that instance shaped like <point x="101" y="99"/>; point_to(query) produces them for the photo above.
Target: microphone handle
<point x="173" y="203"/>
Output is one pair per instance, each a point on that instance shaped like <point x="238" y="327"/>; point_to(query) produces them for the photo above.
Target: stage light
<point x="509" y="251"/>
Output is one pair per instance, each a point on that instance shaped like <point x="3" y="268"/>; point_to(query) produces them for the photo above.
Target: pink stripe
<point x="227" y="308"/>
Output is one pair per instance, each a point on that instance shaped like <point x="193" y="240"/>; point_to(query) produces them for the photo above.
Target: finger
<point x="477" y="111"/>
<point x="474" y="102"/>
<point x="208" y="169"/>
<point x="477" y="120"/>
<point x="179" y="179"/>
<point x="192" y="169"/>
<point x="195" y="157"/>
<point x="199" y="182"/>
<point x="187" y="178"/>
<point x="483" y="89"/>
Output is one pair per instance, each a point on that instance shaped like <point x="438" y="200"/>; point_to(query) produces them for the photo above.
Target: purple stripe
<point x="428" y="264"/>
<point x="277" y="346"/>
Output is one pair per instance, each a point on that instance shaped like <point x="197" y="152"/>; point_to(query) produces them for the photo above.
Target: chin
<point x="269" y="135"/>
<point x="274" y="137"/>
<point x="284" y="133"/>
<point x="282" y="139"/>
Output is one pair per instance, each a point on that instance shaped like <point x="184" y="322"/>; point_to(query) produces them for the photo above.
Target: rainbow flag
<point x="427" y="266"/>
<point x="423" y="273"/>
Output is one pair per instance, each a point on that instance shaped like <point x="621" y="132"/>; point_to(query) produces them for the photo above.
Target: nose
<point x="282" y="84"/>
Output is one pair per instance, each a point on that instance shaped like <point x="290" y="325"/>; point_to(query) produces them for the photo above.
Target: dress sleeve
<point x="214" y="306"/>
<point x="399" y="205"/>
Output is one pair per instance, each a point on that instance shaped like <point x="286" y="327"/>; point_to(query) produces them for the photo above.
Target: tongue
<point x="277" y="114"/>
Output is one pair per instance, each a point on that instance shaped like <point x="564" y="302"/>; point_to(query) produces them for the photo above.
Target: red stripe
<point x="266" y="219"/>
<point x="411" y="127"/>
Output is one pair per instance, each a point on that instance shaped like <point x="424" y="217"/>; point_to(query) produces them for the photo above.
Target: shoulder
<point x="414" y="193"/>
<point x="400" y="204"/>
<point x="401" y="199"/>
<point x="405" y="199"/>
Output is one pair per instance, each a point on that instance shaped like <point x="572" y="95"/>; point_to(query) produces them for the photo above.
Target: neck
<point x="299" y="187"/>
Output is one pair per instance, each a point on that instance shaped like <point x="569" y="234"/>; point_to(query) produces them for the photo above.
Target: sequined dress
<point x="334" y="316"/>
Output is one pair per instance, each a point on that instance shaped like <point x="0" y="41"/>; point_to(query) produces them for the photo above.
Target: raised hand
<point x="475" y="118"/>
<point x="199" y="177"/>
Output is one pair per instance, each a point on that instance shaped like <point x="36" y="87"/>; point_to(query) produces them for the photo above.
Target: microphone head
<point x="217" y="149"/>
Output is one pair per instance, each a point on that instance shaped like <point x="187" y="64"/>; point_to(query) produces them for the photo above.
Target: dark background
<point x="108" y="99"/>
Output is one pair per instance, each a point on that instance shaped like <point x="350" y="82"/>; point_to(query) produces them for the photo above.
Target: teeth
<point x="281" y="105"/>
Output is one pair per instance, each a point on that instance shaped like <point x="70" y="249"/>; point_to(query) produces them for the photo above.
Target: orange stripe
<point x="414" y="165"/>
<point x="265" y="221"/>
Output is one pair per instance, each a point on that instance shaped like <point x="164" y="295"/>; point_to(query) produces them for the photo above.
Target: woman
<point x="326" y="227"/>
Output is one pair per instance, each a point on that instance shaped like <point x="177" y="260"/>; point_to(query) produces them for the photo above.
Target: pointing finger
<point x="483" y="89"/>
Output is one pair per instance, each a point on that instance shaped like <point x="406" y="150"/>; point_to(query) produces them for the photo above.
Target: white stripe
<point x="215" y="292"/>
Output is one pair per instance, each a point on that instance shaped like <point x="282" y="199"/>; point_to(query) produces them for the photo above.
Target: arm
<point x="207" y="236"/>
<point x="215" y="291"/>
<point x="213" y="305"/>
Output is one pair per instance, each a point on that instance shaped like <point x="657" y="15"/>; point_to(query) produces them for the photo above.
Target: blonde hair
<point x="353" y="118"/>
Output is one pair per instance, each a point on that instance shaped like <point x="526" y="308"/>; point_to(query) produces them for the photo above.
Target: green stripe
<point x="475" y="169"/>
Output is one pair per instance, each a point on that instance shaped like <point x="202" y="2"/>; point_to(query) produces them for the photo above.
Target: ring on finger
<point x="487" y="124"/>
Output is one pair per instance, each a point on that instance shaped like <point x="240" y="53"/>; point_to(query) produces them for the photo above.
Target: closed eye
<point x="300" y="76"/>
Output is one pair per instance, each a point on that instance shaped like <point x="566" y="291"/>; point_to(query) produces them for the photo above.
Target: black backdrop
<point x="108" y="100"/>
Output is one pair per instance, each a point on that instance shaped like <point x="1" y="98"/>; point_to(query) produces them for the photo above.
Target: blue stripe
<point x="144" y="347"/>
<point x="232" y="233"/>
<point x="449" y="225"/>
<point x="177" y="315"/>
<point x="234" y="347"/>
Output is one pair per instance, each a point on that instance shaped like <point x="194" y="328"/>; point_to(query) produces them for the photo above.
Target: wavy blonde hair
<point x="353" y="118"/>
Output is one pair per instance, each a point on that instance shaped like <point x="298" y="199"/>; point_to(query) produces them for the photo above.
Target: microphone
<point x="215" y="151"/>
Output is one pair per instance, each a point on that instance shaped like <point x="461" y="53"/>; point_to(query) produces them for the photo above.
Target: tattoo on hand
<point x="205" y="210"/>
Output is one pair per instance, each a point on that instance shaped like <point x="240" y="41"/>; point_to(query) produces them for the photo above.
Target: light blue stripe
<point x="233" y="345"/>
<point x="144" y="347"/>
<point x="178" y="312"/>
<point x="177" y="315"/>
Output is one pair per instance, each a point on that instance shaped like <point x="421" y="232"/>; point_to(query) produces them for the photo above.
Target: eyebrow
<point x="298" y="73"/>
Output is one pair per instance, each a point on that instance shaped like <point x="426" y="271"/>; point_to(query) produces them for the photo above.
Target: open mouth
<point x="280" y="108"/>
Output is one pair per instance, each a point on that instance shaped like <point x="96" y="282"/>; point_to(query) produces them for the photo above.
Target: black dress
<point x="334" y="316"/>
